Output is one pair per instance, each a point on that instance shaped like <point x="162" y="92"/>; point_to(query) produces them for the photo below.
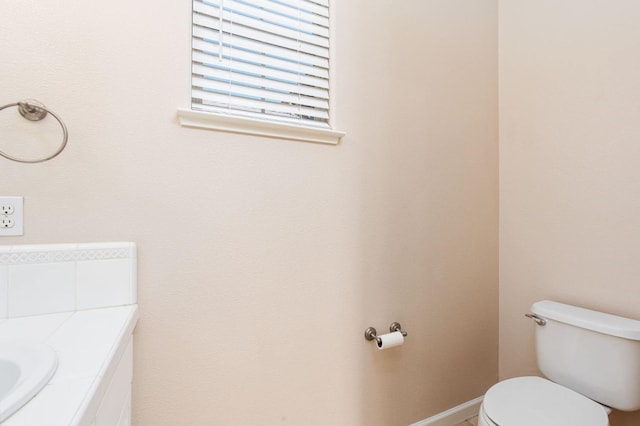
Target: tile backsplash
<point x="43" y="279"/>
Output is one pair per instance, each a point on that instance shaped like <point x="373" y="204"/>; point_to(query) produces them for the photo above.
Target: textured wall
<point x="262" y="261"/>
<point x="569" y="176"/>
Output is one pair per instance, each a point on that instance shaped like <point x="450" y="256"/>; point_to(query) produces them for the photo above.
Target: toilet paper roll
<point x="389" y="340"/>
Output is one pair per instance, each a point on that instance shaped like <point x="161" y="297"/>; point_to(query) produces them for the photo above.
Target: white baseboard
<point x="454" y="415"/>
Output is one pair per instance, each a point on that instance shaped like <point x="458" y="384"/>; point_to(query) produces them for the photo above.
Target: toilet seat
<point x="534" y="401"/>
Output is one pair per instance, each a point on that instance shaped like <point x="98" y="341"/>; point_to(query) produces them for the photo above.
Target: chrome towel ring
<point x="35" y="111"/>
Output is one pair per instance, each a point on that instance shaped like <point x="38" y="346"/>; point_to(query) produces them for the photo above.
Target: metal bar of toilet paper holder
<point x="371" y="334"/>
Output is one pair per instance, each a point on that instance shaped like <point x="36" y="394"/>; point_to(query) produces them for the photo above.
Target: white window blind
<point x="266" y="59"/>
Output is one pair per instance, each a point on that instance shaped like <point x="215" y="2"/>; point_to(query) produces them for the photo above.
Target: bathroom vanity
<point x="80" y="300"/>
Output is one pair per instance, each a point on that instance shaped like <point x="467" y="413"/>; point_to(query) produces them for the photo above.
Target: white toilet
<point x="592" y="360"/>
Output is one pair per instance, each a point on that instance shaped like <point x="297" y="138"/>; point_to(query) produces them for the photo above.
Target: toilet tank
<point x="594" y="353"/>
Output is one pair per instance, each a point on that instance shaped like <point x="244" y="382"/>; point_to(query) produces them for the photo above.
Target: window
<point x="262" y="60"/>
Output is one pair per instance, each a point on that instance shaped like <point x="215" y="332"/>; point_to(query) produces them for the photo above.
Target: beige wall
<point x="262" y="261"/>
<point x="569" y="175"/>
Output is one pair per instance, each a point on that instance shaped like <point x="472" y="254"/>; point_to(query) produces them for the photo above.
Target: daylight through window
<point x="266" y="59"/>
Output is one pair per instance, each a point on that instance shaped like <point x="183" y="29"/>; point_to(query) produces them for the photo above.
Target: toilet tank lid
<point x="600" y="322"/>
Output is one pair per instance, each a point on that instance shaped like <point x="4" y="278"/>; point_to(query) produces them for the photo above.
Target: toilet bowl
<point x="592" y="362"/>
<point x="534" y="401"/>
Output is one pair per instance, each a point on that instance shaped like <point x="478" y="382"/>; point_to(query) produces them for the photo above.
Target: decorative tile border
<point x="33" y="254"/>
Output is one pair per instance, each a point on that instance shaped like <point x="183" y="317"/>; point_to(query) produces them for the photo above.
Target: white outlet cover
<point x="15" y="207"/>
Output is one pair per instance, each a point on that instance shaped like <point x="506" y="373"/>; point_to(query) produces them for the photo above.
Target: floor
<point x="473" y="421"/>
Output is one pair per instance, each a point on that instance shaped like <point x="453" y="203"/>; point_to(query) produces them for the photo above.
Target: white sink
<point x="25" y="368"/>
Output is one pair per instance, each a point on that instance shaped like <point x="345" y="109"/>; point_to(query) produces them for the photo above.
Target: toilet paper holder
<point x="371" y="334"/>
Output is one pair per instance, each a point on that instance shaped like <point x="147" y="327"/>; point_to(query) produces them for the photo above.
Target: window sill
<point x="250" y="126"/>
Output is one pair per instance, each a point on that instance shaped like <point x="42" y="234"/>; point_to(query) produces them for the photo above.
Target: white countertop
<point x="89" y="344"/>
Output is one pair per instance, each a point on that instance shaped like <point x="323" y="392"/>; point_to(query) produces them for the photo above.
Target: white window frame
<point x="235" y="123"/>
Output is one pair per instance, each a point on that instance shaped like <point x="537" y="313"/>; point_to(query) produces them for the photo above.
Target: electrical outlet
<point x="11" y="216"/>
<point x="6" y="222"/>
